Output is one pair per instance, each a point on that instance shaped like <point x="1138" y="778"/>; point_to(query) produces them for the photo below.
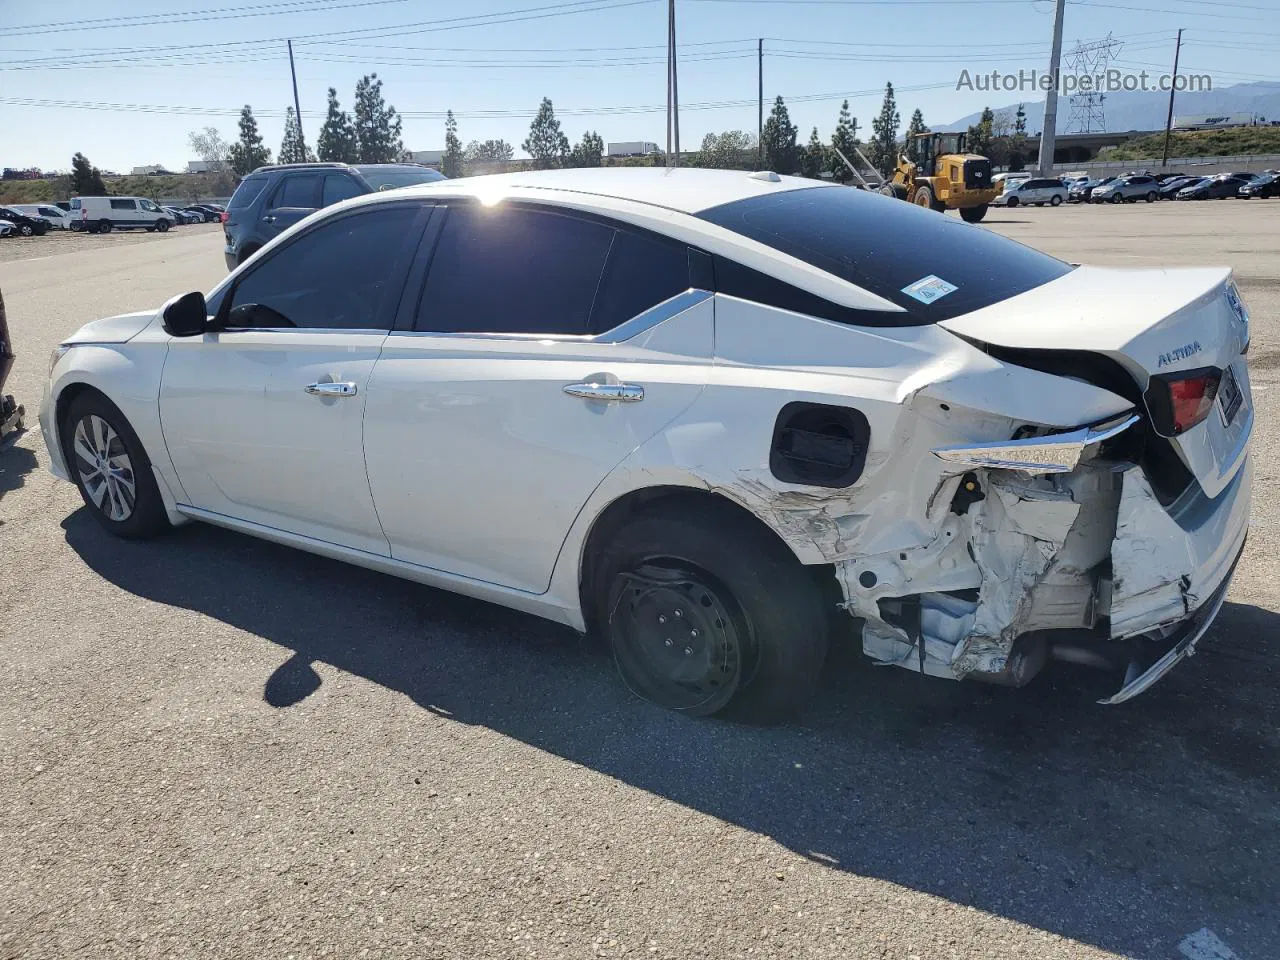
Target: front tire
<point x="707" y="613"/>
<point x="1152" y="197"/>
<point x="111" y="469"/>
<point x="1055" y="201"/>
<point x="1013" y="202"/>
<point x="1116" y="198"/>
<point x="974" y="214"/>
<point x="104" y="226"/>
<point x="162" y="226"/>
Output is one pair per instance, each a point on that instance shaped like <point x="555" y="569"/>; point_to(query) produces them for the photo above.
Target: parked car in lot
<point x="1127" y="189"/>
<point x="1082" y="191"/>
<point x="274" y="198"/>
<point x="1262" y="188"/>
<point x="180" y="215"/>
<point x="1169" y="188"/>
<point x="104" y="214"/>
<point x="25" y="225"/>
<point x="206" y="213"/>
<point x="58" y="218"/>
<point x="1220" y="187"/>
<point x="1033" y="190"/>
<point x="7" y="229"/>
<point x="700" y="414"/>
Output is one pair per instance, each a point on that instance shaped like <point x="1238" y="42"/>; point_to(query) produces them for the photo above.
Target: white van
<point x="104" y="214"/>
<point x="59" y="219"/>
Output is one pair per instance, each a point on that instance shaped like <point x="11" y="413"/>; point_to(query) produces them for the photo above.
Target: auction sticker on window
<point x="929" y="289"/>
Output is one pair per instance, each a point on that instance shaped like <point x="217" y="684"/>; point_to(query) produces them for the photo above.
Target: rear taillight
<point x="1177" y="402"/>
<point x="224" y="216"/>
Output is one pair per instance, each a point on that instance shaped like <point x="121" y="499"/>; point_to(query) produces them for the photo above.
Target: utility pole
<point x="1050" y="127"/>
<point x="760" y="102"/>
<point x="1168" y="122"/>
<point x="669" y="53"/>
<point x="297" y="109"/>
<point x="675" y="83"/>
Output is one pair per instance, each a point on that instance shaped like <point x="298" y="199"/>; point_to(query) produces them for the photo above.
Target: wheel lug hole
<point x="693" y="634"/>
<point x="679" y="614"/>
<point x="662" y="618"/>
<point x="668" y="641"/>
<point x="688" y="651"/>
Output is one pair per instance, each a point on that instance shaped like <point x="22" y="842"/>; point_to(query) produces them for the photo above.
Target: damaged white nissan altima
<point x="708" y="415"/>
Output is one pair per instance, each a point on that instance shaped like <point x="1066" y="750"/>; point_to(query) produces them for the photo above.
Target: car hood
<point x="119" y="329"/>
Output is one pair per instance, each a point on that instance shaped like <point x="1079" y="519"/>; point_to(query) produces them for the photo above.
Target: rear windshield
<point x="388" y="178"/>
<point x="934" y="266"/>
<point x="247" y="192"/>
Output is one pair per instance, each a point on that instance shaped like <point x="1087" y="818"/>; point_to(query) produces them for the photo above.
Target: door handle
<point x="347" y="389"/>
<point x="268" y="219"/>
<point x="608" y="392"/>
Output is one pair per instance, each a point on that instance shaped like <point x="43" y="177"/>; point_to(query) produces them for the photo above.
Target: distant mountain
<point x="1147" y="111"/>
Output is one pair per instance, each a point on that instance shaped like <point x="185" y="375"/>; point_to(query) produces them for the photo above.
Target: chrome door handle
<point x="347" y="389"/>
<point x="609" y="392"/>
<point x="268" y="219"/>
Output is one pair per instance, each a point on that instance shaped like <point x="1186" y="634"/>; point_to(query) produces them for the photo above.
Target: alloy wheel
<point x="104" y="467"/>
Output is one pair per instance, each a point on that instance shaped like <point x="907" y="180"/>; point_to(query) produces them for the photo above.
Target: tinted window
<point x="388" y="178"/>
<point x="513" y="270"/>
<point x="336" y="276"/>
<point x="340" y="187"/>
<point x="297" y="191"/>
<point x="884" y="245"/>
<point x="122" y="205"/>
<point x="47" y="212"/>
<point x="75" y="204"/>
<point x="248" y="191"/>
<point x="641" y="272"/>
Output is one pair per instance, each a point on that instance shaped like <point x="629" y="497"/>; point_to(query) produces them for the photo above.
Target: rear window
<point x="247" y="192"/>
<point x="388" y="178"/>
<point x="906" y="254"/>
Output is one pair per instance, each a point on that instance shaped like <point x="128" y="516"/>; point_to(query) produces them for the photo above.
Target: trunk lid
<point x="1152" y="322"/>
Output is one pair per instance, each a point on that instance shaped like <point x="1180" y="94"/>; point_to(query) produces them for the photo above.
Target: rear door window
<point x="297" y="191"/>
<point x="895" y="250"/>
<point x="338" y="186"/>
<point x="249" y="190"/>
<point x="123" y="205"/>
<point x="641" y="272"/>
<point x="512" y="269"/>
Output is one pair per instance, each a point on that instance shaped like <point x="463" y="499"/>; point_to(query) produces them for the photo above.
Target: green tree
<point x="489" y="151"/>
<point x="377" y="125"/>
<point x="589" y="152"/>
<point x="779" y="139"/>
<point x="1020" y="120"/>
<point x="980" y="134"/>
<point x="884" y="134"/>
<point x="731" y="150"/>
<point x="814" y="157"/>
<point x="451" y="162"/>
<point x="337" y="139"/>
<point x="292" y="147"/>
<point x="1018" y="141"/>
<point x="548" y="146"/>
<point x="916" y="125"/>
<point x="248" y="153"/>
<point x="86" y="179"/>
<point x="844" y="139"/>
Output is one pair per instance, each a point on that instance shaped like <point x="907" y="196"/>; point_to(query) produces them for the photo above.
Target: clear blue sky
<point x="192" y="64"/>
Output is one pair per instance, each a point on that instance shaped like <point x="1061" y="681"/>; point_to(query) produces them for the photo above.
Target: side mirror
<point x="185" y="316"/>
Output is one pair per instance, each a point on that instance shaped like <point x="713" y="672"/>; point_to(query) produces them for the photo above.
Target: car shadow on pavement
<point x="15" y="463"/>
<point x="1123" y="827"/>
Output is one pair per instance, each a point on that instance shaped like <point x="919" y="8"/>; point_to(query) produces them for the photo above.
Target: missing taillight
<point x="1177" y="402"/>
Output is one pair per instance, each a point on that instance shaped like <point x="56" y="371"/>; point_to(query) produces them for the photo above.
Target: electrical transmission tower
<point x="1088" y="108"/>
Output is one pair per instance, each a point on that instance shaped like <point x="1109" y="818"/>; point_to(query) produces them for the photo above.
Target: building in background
<point x="205" y="166"/>
<point x="431" y="158"/>
<point x="149" y="170"/>
<point x="631" y="148"/>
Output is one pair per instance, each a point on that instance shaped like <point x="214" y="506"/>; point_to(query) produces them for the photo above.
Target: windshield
<point x="889" y="247"/>
<point x="388" y="178"/>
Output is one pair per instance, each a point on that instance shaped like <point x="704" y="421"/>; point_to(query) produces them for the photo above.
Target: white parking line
<point x="1204" y="944"/>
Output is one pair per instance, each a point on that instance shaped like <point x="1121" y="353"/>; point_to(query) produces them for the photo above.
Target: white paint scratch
<point x="1204" y="944"/>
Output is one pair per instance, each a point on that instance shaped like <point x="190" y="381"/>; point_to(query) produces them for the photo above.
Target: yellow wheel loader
<point x="934" y="171"/>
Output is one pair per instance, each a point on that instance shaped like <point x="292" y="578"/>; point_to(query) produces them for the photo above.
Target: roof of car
<point x="684" y="189"/>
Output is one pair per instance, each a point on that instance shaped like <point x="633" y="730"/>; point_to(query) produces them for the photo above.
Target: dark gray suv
<point x="272" y="199"/>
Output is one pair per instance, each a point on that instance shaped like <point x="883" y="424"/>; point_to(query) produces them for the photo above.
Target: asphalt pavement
<point x="212" y="746"/>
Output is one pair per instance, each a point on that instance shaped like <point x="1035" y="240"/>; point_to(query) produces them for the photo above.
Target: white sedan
<point x="710" y="416"/>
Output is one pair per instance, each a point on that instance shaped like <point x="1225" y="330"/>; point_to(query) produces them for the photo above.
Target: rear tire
<point x="248" y="252"/>
<point x="104" y="226"/>
<point x="111" y="469"/>
<point x="974" y="214"/>
<point x="1013" y="202"/>
<point x="706" y="613"/>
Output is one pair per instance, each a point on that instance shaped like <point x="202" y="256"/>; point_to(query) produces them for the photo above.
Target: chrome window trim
<point x="628" y="329"/>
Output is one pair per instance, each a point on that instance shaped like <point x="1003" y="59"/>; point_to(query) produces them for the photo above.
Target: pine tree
<point x="1020" y="120"/>
<point x="377" y="125"/>
<point x="86" y="179"/>
<point x="337" y="139"/>
<point x="980" y="134"/>
<point x="844" y="139"/>
<point x="813" y="159"/>
<point x="248" y="153"/>
<point x="292" y="148"/>
<point x="779" y="140"/>
<point x="589" y="152"/>
<point x="884" y="138"/>
<point x="1018" y="142"/>
<point x="916" y="125"/>
<point x="548" y="146"/>
<point x="451" y="162"/>
<point x="490" y="151"/>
